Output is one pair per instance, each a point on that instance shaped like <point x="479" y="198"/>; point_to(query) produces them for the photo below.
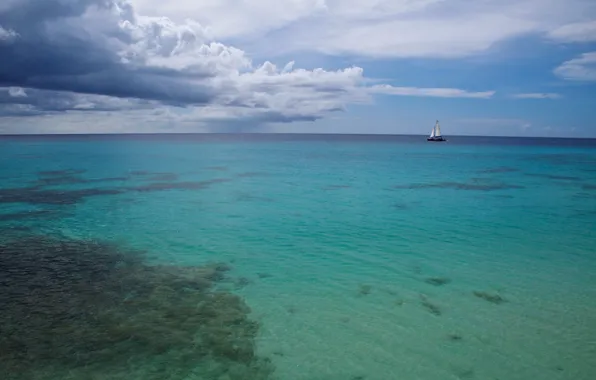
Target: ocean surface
<point x="313" y="257"/>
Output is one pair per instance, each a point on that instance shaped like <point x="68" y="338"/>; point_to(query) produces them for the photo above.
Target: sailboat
<point x="435" y="134"/>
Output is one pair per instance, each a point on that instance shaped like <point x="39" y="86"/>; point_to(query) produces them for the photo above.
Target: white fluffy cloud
<point x="17" y="92"/>
<point x="382" y="28"/>
<point x="582" y="68"/>
<point x="431" y="92"/>
<point x="577" y="32"/>
<point x="69" y="58"/>
<point x="7" y="35"/>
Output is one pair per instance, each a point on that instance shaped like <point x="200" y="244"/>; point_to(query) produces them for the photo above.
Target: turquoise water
<point x="361" y="258"/>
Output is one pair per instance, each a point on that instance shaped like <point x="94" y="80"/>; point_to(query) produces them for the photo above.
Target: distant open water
<point x="362" y="257"/>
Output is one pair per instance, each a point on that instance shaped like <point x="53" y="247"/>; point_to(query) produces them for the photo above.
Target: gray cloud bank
<point x="84" y="46"/>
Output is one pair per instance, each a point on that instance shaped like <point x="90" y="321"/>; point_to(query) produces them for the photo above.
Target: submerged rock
<point x="490" y="297"/>
<point x="437" y="281"/>
<point x="429" y="306"/>
<point x="364" y="289"/>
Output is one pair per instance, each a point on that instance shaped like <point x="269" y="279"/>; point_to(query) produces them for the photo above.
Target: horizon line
<point x="283" y="133"/>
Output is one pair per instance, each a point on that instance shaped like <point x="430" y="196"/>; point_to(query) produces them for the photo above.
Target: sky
<point x="483" y="67"/>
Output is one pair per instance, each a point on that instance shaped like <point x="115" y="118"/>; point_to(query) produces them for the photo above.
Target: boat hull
<point x="435" y="139"/>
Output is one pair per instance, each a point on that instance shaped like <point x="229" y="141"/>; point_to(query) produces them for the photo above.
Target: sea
<point x="297" y="257"/>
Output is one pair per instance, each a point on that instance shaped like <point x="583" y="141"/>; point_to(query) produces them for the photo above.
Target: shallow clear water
<point x="361" y="257"/>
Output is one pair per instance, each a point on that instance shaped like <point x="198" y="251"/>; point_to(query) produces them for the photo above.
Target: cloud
<point x="429" y="92"/>
<point x="101" y="55"/>
<point x="17" y="92"/>
<point x="7" y="35"/>
<point x="15" y="101"/>
<point x="577" y="32"/>
<point x="537" y="95"/>
<point x="582" y="68"/>
<point x="377" y="28"/>
<point x="69" y="58"/>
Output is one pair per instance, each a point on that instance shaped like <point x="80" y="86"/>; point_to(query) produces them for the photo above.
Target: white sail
<point x="432" y="133"/>
<point x="437" y="129"/>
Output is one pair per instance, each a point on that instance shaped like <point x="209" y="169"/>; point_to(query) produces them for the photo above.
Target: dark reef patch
<point x="554" y="177"/>
<point x="364" y="290"/>
<point x="69" y="177"/>
<point x="583" y="195"/>
<point x="39" y="195"/>
<point x="490" y="297"/>
<point x="501" y="169"/>
<point x="35" y="195"/>
<point x="163" y="177"/>
<point x="475" y="184"/>
<point x="30" y="215"/>
<point x="455" y="337"/>
<point x="503" y="196"/>
<point x="437" y="281"/>
<point x="61" y="173"/>
<point x="86" y="309"/>
<point x="189" y="185"/>
<point x="153" y="176"/>
<point x="242" y="282"/>
<point x="430" y="306"/>
<point x="139" y="172"/>
<point x="74" y="180"/>
<point x="400" y="206"/>
<point x="589" y="187"/>
<point x="58" y="180"/>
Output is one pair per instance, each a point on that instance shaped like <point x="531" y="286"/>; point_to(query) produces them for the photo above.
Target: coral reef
<point x="501" y="169"/>
<point x="490" y="297"/>
<point x="40" y="194"/>
<point x="431" y="307"/>
<point x="475" y="184"/>
<point x="84" y="309"/>
<point x="555" y="177"/>
<point x="30" y="215"/>
<point x="364" y="289"/>
<point x="437" y="281"/>
<point x="241" y="282"/>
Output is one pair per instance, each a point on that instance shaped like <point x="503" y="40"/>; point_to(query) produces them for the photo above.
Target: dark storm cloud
<point x="31" y="102"/>
<point x="74" y="46"/>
